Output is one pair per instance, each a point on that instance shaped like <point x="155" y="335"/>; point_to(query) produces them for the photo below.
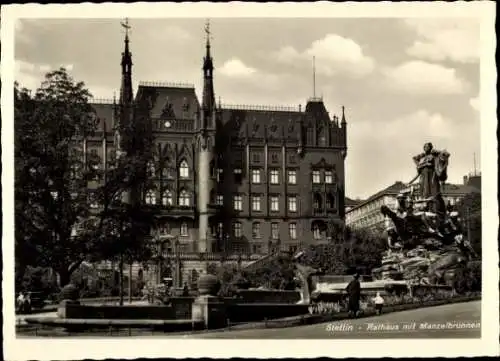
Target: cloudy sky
<point x="403" y="81"/>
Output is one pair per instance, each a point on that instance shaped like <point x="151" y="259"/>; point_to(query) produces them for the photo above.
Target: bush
<point x="468" y="278"/>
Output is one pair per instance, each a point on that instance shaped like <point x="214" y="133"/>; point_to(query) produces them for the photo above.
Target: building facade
<point x="232" y="178"/>
<point x="367" y="213"/>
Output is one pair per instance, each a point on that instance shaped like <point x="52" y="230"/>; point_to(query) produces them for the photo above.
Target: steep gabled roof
<point x="171" y="101"/>
<point x="104" y="113"/>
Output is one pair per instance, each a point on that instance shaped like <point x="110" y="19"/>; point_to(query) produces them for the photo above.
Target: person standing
<point x="354" y="293"/>
<point x="379" y="302"/>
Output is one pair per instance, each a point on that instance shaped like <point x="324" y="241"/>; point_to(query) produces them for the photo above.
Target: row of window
<point x="167" y="198"/>
<point x="274" y="176"/>
<point x="274" y="202"/>
<point x="256" y="230"/>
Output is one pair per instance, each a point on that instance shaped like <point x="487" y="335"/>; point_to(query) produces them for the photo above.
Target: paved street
<point x="372" y="327"/>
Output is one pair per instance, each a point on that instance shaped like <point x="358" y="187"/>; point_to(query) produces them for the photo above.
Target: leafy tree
<point x="55" y="225"/>
<point x="50" y="174"/>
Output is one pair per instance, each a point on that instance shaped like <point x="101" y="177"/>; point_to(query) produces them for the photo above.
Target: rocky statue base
<point x="424" y="247"/>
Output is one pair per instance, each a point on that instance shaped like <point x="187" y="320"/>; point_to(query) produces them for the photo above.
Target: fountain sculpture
<point x="426" y="243"/>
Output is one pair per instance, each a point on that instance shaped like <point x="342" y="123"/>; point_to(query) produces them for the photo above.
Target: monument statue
<point x="432" y="169"/>
<point x="425" y="240"/>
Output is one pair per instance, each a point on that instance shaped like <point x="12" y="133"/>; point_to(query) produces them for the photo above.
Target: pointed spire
<point x="343" y="115"/>
<point x="208" y="63"/>
<point x="208" y="101"/>
<point x="126" y="63"/>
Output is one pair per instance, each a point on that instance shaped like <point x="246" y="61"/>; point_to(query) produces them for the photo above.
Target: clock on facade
<point x="168" y="124"/>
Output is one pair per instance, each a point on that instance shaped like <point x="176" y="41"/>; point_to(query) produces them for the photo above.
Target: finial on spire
<point x="207" y="31"/>
<point x="127" y="27"/>
<point x="343" y="114"/>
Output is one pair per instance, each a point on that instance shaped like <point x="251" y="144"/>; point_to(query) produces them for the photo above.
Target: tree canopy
<point x="57" y="222"/>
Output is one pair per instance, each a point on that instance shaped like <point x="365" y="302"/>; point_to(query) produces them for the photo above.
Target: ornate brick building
<point x="233" y="178"/>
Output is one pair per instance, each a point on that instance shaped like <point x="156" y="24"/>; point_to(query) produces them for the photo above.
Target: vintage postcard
<point x="177" y="173"/>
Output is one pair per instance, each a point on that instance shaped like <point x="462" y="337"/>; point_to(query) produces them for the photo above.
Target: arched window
<point x="330" y="201"/>
<point x="184" y="229"/>
<point x="317" y="201"/>
<point x="184" y="170"/>
<point x="316" y="231"/>
<point x="150" y="197"/>
<point x="167" y="199"/>
<point x="184" y="198"/>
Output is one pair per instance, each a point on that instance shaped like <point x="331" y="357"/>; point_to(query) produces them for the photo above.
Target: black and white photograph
<point x="177" y="173"/>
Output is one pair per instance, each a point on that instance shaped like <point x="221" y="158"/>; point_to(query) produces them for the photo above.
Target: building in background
<point x="234" y="179"/>
<point x="367" y="213"/>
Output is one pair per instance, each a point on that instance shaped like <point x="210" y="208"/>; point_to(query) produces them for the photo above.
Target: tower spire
<point x="126" y="63"/>
<point x="208" y="104"/>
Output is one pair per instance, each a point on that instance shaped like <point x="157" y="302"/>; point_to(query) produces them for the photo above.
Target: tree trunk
<point x="121" y="279"/>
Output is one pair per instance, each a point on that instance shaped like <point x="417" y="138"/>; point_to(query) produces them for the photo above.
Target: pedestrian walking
<point x="354" y="293"/>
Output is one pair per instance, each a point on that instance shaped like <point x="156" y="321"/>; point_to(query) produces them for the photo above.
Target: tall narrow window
<point x="167" y="199"/>
<point x="184" y="229"/>
<point x="292" y="230"/>
<point x="255" y="176"/>
<point x="274" y="176"/>
<point x="292" y="203"/>
<point x="316" y="177"/>
<point x="256" y="203"/>
<point x="238" y="203"/>
<point x="184" y="170"/>
<point x="256" y="230"/>
<point x="316" y="231"/>
<point x="237" y="229"/>
<point x="275" y="230"/>
<point x="275" y="206"/>
<point x="184" y="198"/>
<point x="330" y="201"/>
<point x="220" y="200"/>
<point x="328" y="177"/>
<point x="150" y="197"/>
<point x="317" y="201"/>
<point x="292" y="176"/>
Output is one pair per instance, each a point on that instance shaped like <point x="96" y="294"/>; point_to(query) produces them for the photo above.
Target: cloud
<point x="475" y="103"/>
<point x="334" y="55"/>
<point x="445" y="39"/>
<point x="419" y="77"/>
<point x="236" y="68"/>
<point x="386" y="157"/>
<point x="27" y="74"/>
<point x="287" y="54"/>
